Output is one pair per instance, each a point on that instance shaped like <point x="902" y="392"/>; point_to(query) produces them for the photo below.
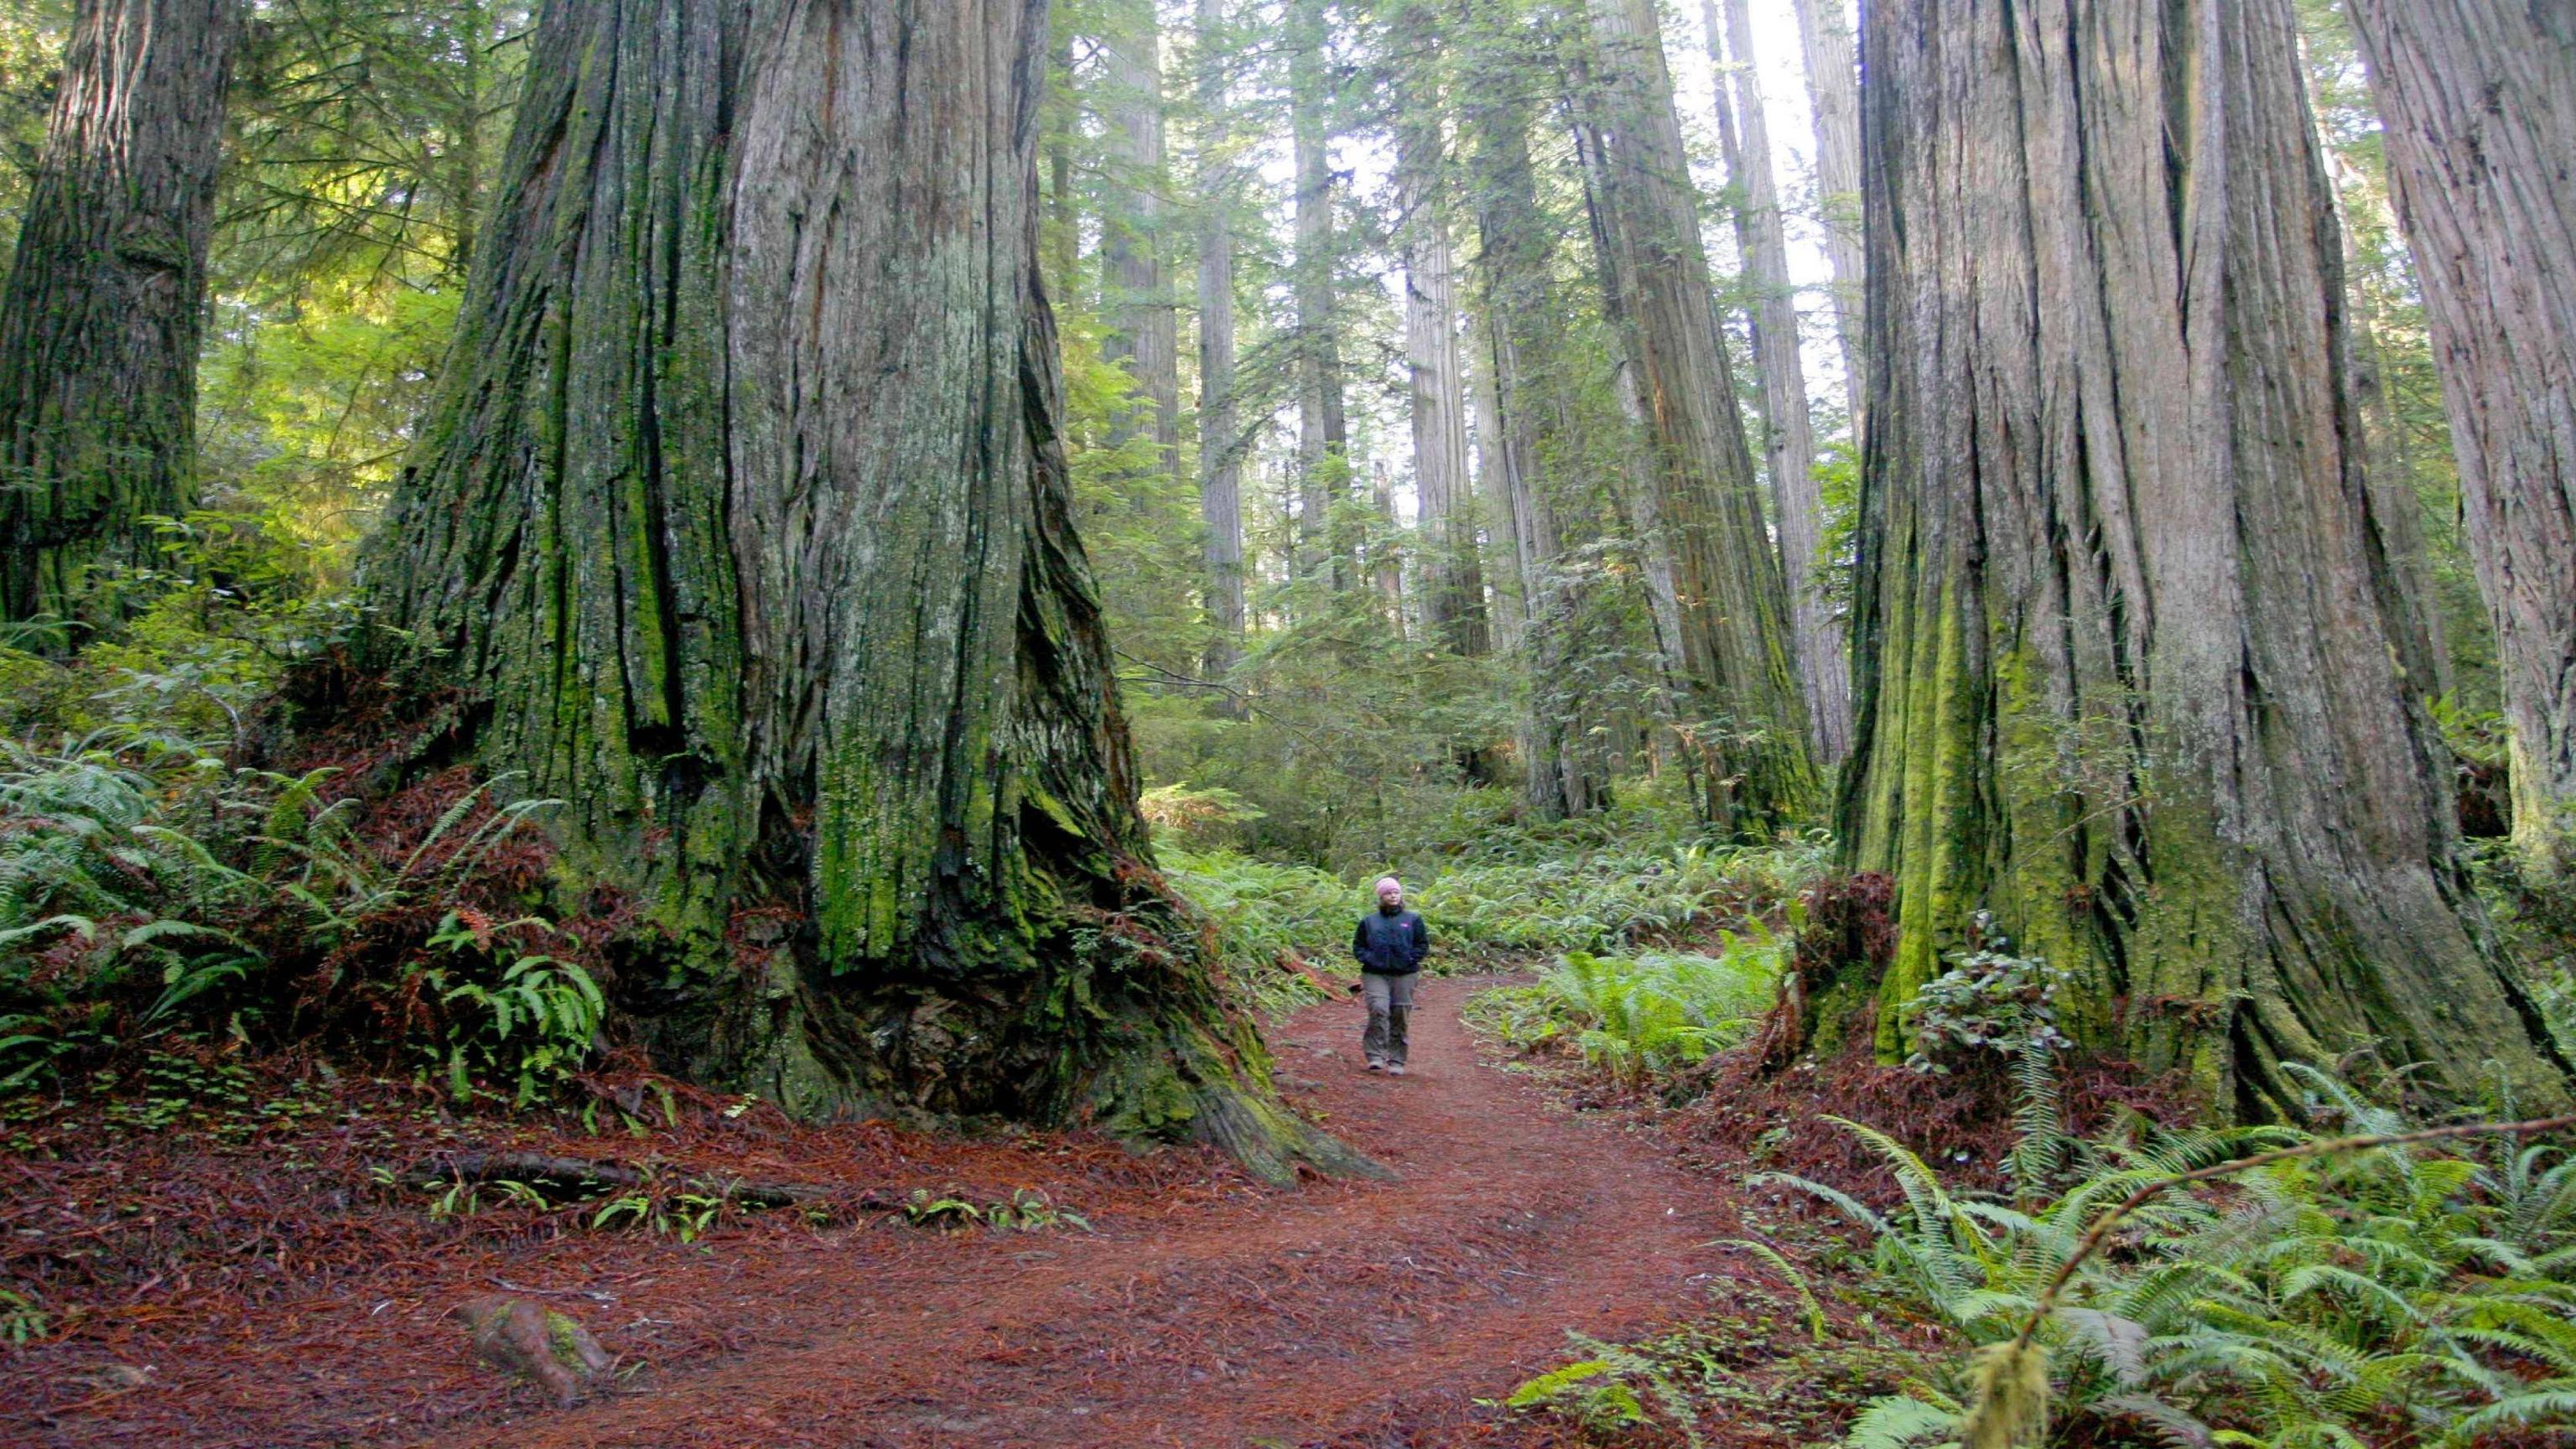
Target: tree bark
<point x="1485" y="406"/>
<point x="2129" y="653"/>
<point x="1789" y="442"/>
<point x="743" y="528"/>
<point x="1453" y="584"/>
<point x="1734" y="648"/>
<point x="1323" y="432"/>
<point x="2479" y="99"/>
<point x="1833" y="94"/>
<point x="1220" y="432"/>
<point x="1561" y="776"/>
<point x="105" y="298"/>
<point x="1143" y="333"/>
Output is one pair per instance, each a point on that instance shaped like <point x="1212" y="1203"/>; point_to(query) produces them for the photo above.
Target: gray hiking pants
<point x="1390" y="1001"/>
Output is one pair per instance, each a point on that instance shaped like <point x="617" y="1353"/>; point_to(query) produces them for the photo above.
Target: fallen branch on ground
<point x="589" y="1178"/>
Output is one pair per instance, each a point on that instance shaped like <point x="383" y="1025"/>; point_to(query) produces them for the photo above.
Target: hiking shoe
<point x="1395" y="1069"/>
<point x="1377" y="1066"/>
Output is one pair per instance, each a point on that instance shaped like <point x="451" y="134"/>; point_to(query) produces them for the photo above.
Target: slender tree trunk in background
<point x="2479" y="99"/>
<point x="1514" y="250"/>
<point x="1833" y="94"/>
<point x="1323" y="434"/>
<point x="1143" y="333"/>
<point x="1453" y="583"/>
<point x="1220" y="443"/>
<point x="2133" y="674"/>
<point x="1789" y="443"/>
<point x="743" y="524"/>
<point x="1735" y="651"/>
<point x="1510" y="599"/>
<point x="105" y="298"/>
<point x="1386" y="560"/>
<point x="1061" y="116"/>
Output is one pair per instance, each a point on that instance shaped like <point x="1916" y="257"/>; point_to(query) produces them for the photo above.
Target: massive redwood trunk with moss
<point x="103" y="307"/>
<point x="743" y="527"/>
<point x="2479" y="97"/>
<point x="2135" y="674"/>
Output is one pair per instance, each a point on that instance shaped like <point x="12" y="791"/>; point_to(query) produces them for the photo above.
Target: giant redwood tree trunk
<point x="103" y="307"/>
<point x="2135" y="677"/>
<point x="2479" y="97"/>
<point x="1732" y="648"/>
<point x="744" y="526"/>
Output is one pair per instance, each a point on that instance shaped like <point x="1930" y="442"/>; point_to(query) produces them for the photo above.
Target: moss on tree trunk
<point x="744" y="521"/>
<point x="2137" y="675"/>
<point x="103" y="307"/>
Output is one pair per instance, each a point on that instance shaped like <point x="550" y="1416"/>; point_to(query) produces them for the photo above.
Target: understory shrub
<point x="150" y="889"/>
<point x="1611" y="900"/>
<point x="2399" y="1294"/>
<point x="1607" y="902"/>
<point x="1641" y="1019"/>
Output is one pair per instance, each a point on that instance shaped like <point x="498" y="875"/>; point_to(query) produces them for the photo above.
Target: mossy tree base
<point x="745" y="519"/>
<point x="2140" y="674"/>
<point x="105" y="299"/>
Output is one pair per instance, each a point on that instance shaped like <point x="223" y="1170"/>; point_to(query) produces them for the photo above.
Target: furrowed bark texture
<point x="1323" y="429"/>
<point x="2130" y="648"/>
<point x="1833" y="94"/>
<point x="1453" y="584"/>
<point x="1732" y="646"/>
<point x="1220" y="433"/>
<point x="1143" y="333"/>
<point x="1561" y="774"/>
<point x="2479" y="98"/>
<point x="105" y="299"/>
<point x="1789" y="443"/>
<point x="744" y="520"/>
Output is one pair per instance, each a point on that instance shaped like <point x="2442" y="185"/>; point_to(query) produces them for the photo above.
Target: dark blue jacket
<point x="1391" y="944"/>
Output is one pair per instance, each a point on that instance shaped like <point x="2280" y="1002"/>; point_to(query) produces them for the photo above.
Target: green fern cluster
<point x="1642" y="1018"/>
<point x="2391" y="1295"/>
<point x="147" y="887"/>
<point x="1611" y="900"/>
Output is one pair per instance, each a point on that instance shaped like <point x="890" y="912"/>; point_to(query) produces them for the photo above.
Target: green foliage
<point x="1989" y="1001"/>
<point x="684" y="1211"/>
<point x="1027" y="1211"/>
<point x="2396" y="1293"/>
<point x="21" y="1321"/>
<point x="553" y="1006"/>
<point x="1643" y="1018"/>
<point x="148" y="889"/>
<point x="1607" y="1392"/>
<point x="1195" y="816"/>
<point x="1611" y="899"/>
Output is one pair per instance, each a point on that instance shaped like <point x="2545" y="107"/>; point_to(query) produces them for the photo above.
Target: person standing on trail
<point x="1390" y="943"/>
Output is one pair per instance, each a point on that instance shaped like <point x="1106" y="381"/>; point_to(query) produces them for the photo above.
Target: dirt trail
<point x="1362" y="1313"/>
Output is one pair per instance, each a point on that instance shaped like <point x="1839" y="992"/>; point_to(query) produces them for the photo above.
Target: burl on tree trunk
<point x="2136" y="673"/>
<point x="743" y="521"/>
<point x="100" y="318"/>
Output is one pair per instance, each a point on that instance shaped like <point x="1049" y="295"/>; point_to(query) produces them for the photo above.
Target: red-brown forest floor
<point x="260" y="1286"/>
